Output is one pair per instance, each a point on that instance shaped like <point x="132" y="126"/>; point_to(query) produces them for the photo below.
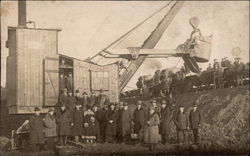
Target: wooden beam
<point x="150" y="43"/>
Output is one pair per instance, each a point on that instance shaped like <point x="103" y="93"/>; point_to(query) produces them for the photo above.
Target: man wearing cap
<point x="139" y="119"/>
<point x="165" y="122"/>
<point x="126" y="119"/>
<point x="69" y="82"/>
<point x="77" y="121"/>
<point x="50" y="128"/>
<point x="195" y="119"/>
<point x="102" y="99"/>
<point x="182" y="124"/>
<point x="64" y="120"/>
<point x="111" y="118"/>
<point x="36" y="130"/>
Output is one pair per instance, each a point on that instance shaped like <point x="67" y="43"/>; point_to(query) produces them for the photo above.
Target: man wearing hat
<point x="50" y="128"/>
<point x="92" y="98"/>
<point x="238" y="68"/>
<point x="216" y="63"/>
<point x="102" y="99"/>
<point x="71" y="101"/>
<point x="61" y="82"/>
<point x="78" y="98"/>
<point x="182" y="124"/>
<point x="126" y="119"/>
<point x="157" y="109"/>
<point x="85" y="100"/>
<point x="77" y="121"/>
<point x="119" y="122"/>
<point x="36" y="130"/>
<point x="64" y="120"/>
<point x="165" y="121"/>
<point x="195" y="119"/>
<point x="69" y="82"/>
<point x="101" y="117"/>
<point x="111" y="118"/>
<point x="139" y="119"/>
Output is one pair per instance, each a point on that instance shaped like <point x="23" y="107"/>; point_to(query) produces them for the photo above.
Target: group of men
<point x="105" y="121"/>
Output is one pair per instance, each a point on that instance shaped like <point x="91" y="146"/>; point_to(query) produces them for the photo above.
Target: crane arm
<point x="149" y="43"/>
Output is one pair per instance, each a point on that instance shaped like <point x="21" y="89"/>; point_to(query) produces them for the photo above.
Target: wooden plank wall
<point x="33" y="46"/>
<point x="82" y="78"/>
<point x="11" y="69"/>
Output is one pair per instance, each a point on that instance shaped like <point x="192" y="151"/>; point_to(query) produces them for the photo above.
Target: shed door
<point x="51" y="81"/>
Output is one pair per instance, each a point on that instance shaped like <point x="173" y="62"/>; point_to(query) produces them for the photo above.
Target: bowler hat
<point x="77" y="91"/>
<point x="84" y="93"/>
<point x="164" y="102"/>
<point x="37" y="109"/>
<point x="153" y="101"/>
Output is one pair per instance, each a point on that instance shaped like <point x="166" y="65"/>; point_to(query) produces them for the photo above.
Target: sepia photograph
<point x="124" y="78"/>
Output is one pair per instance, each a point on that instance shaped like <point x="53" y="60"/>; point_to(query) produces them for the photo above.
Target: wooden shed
<point x="33" y="71"/>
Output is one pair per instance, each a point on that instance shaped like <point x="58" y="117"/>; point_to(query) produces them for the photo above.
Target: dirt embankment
<point x="225" y="118"/>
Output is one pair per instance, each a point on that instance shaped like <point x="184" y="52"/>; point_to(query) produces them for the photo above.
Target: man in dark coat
<point x="126" y="118"/>
<point x="119" y="123"/>
<point x="85" y="100"/>
<point x="70" y="102"/>
<point x="102" y="99"/>
<point x="62" y="82"/>
<point x="77" y="122"/>
<point x="195" y="119"/>
<point x="182" y="124"/>
<point x="101" y="117"/>
<point x="78" y="98"/>
<point x="139" y="119"/>
<point x="36" y="130"/>
<point x="69" y="82"/>
<point x="92" y="99"/>
<point x="111" y="118"/>
<point x="63" y="96"/>
<point x="64" y="120"/>
<point x="165" y="122"/>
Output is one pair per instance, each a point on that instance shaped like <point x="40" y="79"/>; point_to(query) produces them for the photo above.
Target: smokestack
<point x="22" y="13"/>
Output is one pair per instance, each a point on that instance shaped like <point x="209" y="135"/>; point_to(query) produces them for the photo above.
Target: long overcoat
<point x="195" y="119"/>
<point x="126" y="118"/>
<point x="71" y="103"/>
<point x="77" y="120"/>
<point x="165" y="121"/>
<point x="50" y="125"/>
<point x="36" y="130"/>
<point x="151" y="130"/>
<point x="181" y="120"/>
<point x="64" y="120"/>
<point x="139" y="118"/>
<point x="111" y="127"/>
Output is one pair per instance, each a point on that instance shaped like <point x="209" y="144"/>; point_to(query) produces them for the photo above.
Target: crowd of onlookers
<point x="217" y="75"/>
<point x="90" y="119"/>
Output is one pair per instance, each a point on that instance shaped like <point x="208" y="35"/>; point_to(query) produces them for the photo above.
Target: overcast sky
<point x="87" y="27"/>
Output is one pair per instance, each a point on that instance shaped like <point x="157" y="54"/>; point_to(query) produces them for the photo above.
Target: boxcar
<point x="33" y="71"/>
